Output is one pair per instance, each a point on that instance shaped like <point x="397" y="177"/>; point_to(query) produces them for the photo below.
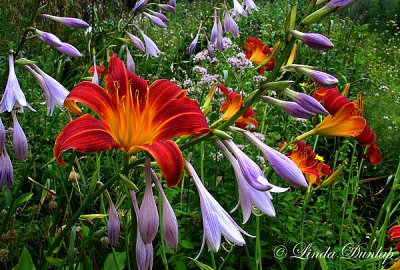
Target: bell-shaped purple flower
<point x="20" y="143"/>
<point x="250" y="5"/>
<point x="238" y="10"/>
<point x="151" y="47"/>
<point x="68" y="49"/>
<point x="130" y="64"/>
<point x="210" y="50"/>
<point x="320" y="78"/>
<point x="49" y="38"/>
<point x="169" y="221"/>
<point x="136" y="41"/>
<point x="114" y="224"/>
<point x="172" y="3"/>
<point x="192" y="45"/>
<point x="216" y="32"/>
<point x="290" y="107"/>
<point x="67" y="21"/>
<point x="283" y="166"/>
<point x="13" y="95"/>
<point x="144" y="252"/>
<point x="148" y="215"/>
<point x="139" y="5"/>
<point x="159" y="14"/>
<point x="6" y="170"/>
<point x="157" y="21"/>
<point x="250" y="170"/>
<point x="307" y="102"/>
<point x="216" y="221"/>
<point x="55" y="92"/>
<point x="314" y="40"/>
<point x="248" y="196"/>
<point x="229" y="24"/>
<point x="167" y="7"/>
<point x="2" y="137"/>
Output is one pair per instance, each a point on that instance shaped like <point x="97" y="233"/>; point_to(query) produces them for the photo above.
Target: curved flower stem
<point x="258" y="244"/>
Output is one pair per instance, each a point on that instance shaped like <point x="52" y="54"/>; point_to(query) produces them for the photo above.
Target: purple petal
<point x="49" y="38"/>
<point x="291" y="108"/>
<point x="114" y="225"/>
<point x="307" y="102"/>
<point x="229" y="24"/>
<point x="192" y="45"/>
<point x="68" y="21"/>
<point x="151" y="47"/>
<point x="20" y="143"/>
<point x="238" y="10"/>
<point x="167" y="7"/>
<point x="136" y="41"/>
<point x="68" y="49"/>
<point x="6" y="170"/>
<point x="139" y="5"/>
<point x="323" y="79"/>
<point x="157" y="21"/>
<point x="2" y="137"/>
<point x="130" y="64"/>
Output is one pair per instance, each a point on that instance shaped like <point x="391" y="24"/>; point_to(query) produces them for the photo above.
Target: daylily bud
<point x="136" y="41"/>
<point x="333" y="177"/>
<point x="2" y="137"/>
<point x="148" y="220"/>
<point x="49" y="38"/>
<point x="321" y="78"/>
<point x="20" y="143"/>
<point x="281" y="164"/>
<point x="314" y="40"/>
<point x="307" y="102"/>
<point x="130" y="64"/>
<point x="68" y="49"/>
<point x="221" y="134"/>
<point x="24" y="61"/>
<point x="330" y="7"/>
<point x="68" y="21"/>
<point x="277" y="86"/>
<point x="167" y="7"/>
<point x="291" y="108"/>
<point x="157" y="21"/>
<point x="6" y="170"/>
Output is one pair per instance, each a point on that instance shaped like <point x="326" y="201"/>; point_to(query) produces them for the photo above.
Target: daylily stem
<point x="304" y="135"/>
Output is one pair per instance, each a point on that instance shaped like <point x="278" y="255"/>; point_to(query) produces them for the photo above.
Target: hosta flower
<point x="216" y="32"/>
<point x="233" y="103"/>
<point x="2" y="136"/>
<point x="130" y="64"/>
<point x="250" y="5"/>
<point x="159" y="14"/>
<point x="114" y="224"/>
<point x="257" y="54"/>
<point x="307" y="102"/>
<point x="320" y="78"/>
<point x="133" y="117"/>
<point x="290" y="107"/>
<point x="139" y="5"/>
<point x="95" y="78"/>
<point x="248" y="196"/>
<point x="216" y="221"/>
<point x="136" y="41"/>
<point x="314" y="40"/>
<point x="238" y="9"/>
<point x="168" y="7"/>
<point x="68" y="21"/>
<point x="68" y="49"/>
<point x="151" y="47"/>
<point x="192" y="45"/>
<point x="49" y="38"/>
<point x="13" y="95"/>
<point x="20" y="143"/>
<point x="229" y="24"/>
<point x="6" y="170"/>
<point x="156" y="20"/>
<point x="55" y="93"/>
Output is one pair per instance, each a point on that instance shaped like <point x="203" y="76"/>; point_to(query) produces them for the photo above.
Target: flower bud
<point x="20" y="143"/>
<point x="307" y="102"/>
<point x="49" y="38"/>
<point x="68" y="49"/>
<point x="314" y="40"/>
<point x="291" y="108"/>
<point x="68" y="21"/>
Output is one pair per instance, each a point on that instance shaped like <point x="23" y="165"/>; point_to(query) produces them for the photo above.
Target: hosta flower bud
<point x="314" y="40"/>
<point x="291" y="108"/>
<point x="307" y="102"/>
<point x="68" y="49"/>
<point x="68" y="21"/>
<point x="20" y="143"/>
<point x="49" y="38"/>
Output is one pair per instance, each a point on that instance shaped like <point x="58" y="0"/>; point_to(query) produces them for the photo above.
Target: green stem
<point x="303" y="216"/>
<point x="115" y="258"/>
<point x="258" y="245"/>
<point x="213" y="263"/>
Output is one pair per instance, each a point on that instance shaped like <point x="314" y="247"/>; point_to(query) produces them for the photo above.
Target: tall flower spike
<point x="290" y="107"/>
<point x="49" y="38"/>
<point x="114" y="224"/>
<point x="216" y="32"/>
<point x="67" y="21"/>
<point x="133" y="117"/>
<point x="169" y="221"/>
<point x="6" y="170"/>
<point x="151" y="47"/>
<point x="281" y="164"/>
<point x="216" y="221"/>
<point x="314" y="40"/>
<point x="13" y="95"/>
<point x="55" y="92"/>
<point x="130" y="64"/>
<point x="148" y="214"/>
<point x="136" y="41"/>
<point x="68" y="49"/>
<point x="248" y="196"/>
<point x="192" y="45"/>
<point x="144" y="252"/>
<point x="307" y="102"/>
<point x="229" y="24"/>
<point x="238" y="10"/>
<point x="20" y="143"/>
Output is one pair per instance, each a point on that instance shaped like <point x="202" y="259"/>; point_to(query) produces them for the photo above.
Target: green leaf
<point x="21" y="199"/>
<point x="120" y="257"/>
<point x="55" y="261"/>
<point x="25" y="261"/>
<point x="202" y="266"/>
<point x="321" y="259"/>
<point x="186" y="244"/>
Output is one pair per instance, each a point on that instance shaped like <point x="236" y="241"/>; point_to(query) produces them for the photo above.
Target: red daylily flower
<point x="333" y="102"/>
<point x="394" y="233"/>
<point x="257" y="54"/>
<point x="233" y="103"/>
<point x="133" y="117"/>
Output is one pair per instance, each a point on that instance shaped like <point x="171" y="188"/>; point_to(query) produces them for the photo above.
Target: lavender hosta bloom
<point x="68" y="49"/>
<point x="283" y="166"/>
<point x="192" y="45"/>
<point x="320" y="78"/>
<point x="55" y="92"/>
<point x="157" y="21"/>
<point x="167" y="7"/>
<point x="139" y="5"/>
<point x="314" y="40"/>
<point x="49" y="38"/>
<point x="6" y="170"/>
<point x="172" y="3"/>
<point x="148" y="215"/>
<point x="248" y="196"/>
<point x="114" y="224"/>
<point x="229" y="24"/>
<point x="130" y="64"/>
<point x="2" y="137"/>
<point x="307" y="102"/>
<point x="290" y="107"/>
<point x="136" y="41"/>
<point x="95" y="78"/>
<point x="159" y="15"/>
<point x="67" y="21"/>
<point x="216" y="221"/>
<point x="20" y="143"/>
<point x="238" y="10"/>
<point x="169" y="221"/>
<point x="151" y="47"/>
<point x="250" y="5"/>
<point x="13" y="95"/>
<point x="216" y="32"/>
<point x="144" y="252"/>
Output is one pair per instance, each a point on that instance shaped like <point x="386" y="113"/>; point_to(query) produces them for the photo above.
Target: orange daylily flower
<point x="395" y="266"/>
<point x="133" y="117"/>
<point x="233" y="103"/>
<point x="257" y="54"/>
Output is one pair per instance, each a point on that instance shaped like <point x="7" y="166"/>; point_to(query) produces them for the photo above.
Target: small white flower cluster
<point x="239" y="61"/>
<point x="259" y="79"/>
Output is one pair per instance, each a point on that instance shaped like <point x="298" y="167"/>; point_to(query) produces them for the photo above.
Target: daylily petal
<point x="84" y="134"/>
<point x="169" y="158"/>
